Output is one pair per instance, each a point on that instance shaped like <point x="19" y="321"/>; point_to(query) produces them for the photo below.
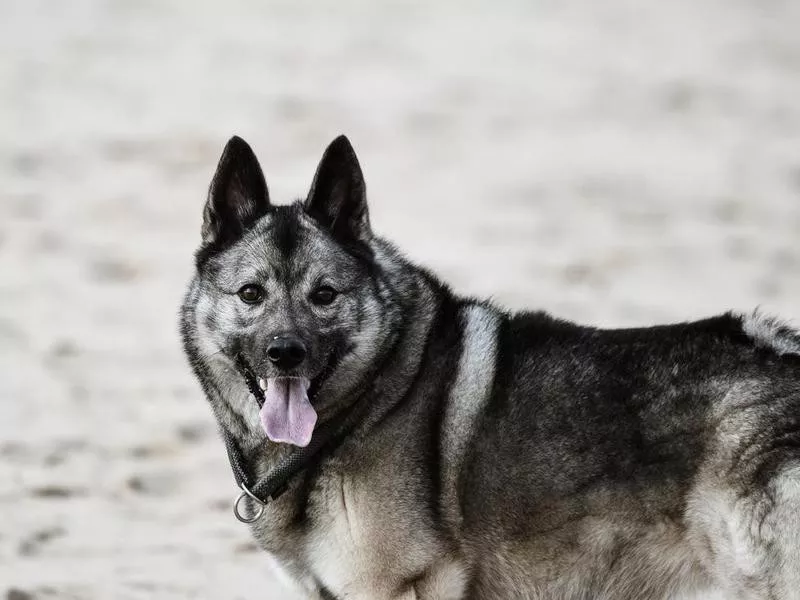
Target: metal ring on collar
<point x="257" y="515"/>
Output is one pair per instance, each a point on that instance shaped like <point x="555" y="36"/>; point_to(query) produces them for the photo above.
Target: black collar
<point x="327" y="437"/>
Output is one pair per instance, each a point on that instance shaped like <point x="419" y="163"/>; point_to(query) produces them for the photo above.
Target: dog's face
<point x="287" y="288"/>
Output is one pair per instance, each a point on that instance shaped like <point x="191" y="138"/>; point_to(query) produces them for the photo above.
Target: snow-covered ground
<point x="617" y="162"/>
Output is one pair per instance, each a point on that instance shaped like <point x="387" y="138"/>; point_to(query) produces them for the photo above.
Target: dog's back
<point x="618" y="461"/>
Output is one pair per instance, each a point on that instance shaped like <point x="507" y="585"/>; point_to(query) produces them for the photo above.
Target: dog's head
<point x="289" y="289"/>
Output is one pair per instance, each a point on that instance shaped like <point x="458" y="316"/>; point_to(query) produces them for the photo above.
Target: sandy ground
<point x="616" y="162"/>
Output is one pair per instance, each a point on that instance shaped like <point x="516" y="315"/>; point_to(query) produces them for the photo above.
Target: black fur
<point x="237" y="198"/>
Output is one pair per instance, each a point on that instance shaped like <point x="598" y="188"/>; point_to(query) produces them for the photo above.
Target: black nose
<point x="286" y="351"/>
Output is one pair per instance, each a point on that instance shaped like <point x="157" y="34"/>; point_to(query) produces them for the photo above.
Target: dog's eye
<point x="251" y="293"/>
<point x="324" y="295"/>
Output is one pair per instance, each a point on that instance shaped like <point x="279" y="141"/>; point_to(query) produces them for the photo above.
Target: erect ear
<point x="338" y="195"/>
<point x="237" y="196"/>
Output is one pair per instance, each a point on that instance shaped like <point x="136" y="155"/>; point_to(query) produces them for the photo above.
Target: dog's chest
<point x="367" y="540"/>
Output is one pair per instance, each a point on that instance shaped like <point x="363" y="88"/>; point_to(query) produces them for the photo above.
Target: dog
<point x="479" y="454"/>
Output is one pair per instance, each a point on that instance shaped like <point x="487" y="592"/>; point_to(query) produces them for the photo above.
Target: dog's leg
<point x="780" y="535"/>
<point x="750" y="543"/>
<point x="446" y="580"/>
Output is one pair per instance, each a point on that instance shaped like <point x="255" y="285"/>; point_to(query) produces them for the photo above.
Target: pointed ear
<point x="338" y="195"/>
<point x="237" y="196"/>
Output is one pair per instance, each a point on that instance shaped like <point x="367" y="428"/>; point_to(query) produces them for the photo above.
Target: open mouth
<point x="287" y="415"/>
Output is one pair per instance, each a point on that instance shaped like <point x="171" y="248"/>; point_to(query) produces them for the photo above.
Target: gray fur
<point x="772" y="333"/>
<point x="500" y="455"/>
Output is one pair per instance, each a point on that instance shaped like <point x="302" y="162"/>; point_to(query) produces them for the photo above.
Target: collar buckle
<point x="257" y="513"/>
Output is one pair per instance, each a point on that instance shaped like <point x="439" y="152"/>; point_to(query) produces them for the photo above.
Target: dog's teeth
<point x="262" y="383"/>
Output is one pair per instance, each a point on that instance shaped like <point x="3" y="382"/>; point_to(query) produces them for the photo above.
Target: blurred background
<point x="617" y="162"/>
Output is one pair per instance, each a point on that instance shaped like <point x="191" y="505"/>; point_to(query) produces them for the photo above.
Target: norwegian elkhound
<point x="394" y="440"/>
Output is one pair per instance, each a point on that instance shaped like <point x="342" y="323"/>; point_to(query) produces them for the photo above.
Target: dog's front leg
<point x="444" y="580"/>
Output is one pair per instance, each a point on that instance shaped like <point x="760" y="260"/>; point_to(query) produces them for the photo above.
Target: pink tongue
<point x="287" y="415"/>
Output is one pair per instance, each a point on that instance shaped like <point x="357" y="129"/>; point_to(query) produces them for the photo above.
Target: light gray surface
<point x="617" y="162"/>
